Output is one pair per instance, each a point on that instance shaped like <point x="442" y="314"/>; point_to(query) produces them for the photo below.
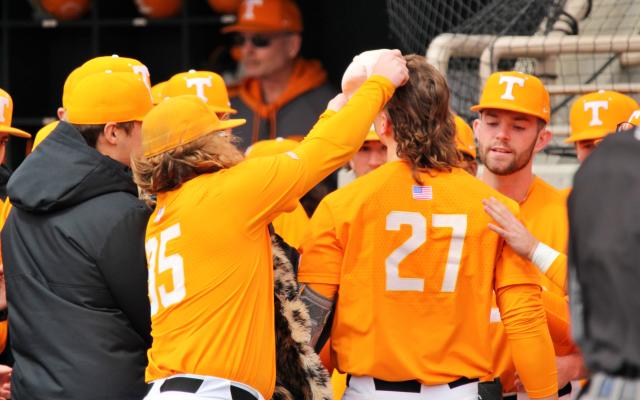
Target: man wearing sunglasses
<point x="281" y="94"/>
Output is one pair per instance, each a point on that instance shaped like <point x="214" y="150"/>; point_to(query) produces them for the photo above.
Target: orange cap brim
<point x="509" y="107"/>
<point x="224" y="125"/>
<point x="15" y="132"/>
<point x="230" y="123"/>
<point x="217" y="109"/>
<point x="589" y="134"/>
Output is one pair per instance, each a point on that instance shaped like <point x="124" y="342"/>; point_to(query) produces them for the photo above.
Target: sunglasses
<point x="258" y="41"/>
<point x="623" y="126"/>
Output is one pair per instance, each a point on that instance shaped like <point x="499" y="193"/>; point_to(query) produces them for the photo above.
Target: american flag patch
<point x="421" y="192"/>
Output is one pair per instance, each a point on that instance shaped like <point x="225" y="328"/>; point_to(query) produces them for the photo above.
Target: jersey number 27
<point x="418" y="224"/>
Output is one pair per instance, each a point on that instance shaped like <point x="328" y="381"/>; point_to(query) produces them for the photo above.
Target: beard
<point x="519" y="161"/>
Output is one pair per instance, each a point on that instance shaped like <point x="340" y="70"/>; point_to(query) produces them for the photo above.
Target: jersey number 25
<point x="158" y="259"/>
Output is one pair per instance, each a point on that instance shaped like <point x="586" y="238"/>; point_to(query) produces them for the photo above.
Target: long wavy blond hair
<point x="423" y="125"/>
<point x="169" y="170"/>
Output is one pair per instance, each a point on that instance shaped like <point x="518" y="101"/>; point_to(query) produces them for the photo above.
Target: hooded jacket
<point x="75" y="269"/>
<point x="292" y="114"/>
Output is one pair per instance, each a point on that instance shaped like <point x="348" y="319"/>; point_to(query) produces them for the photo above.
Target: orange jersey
<point x="415" y="267"/>
<point x="544" y="213"/>
<point x="293" y="226"/>
<point x="209" y="252"/>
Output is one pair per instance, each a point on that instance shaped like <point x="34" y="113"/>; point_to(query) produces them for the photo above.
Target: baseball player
<point x="210" y="284"/>
<point x="370" y="156"/>
<point x="514" y="109"/>
<point x="405" y="254"/>
<point x="595" y="115"/>
<point x="6" y="130"/>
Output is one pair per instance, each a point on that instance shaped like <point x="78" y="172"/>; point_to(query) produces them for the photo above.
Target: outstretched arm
<point x="280" y="180"/>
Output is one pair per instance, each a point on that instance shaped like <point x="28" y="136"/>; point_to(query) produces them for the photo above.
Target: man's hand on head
<point x="392" y="66"/>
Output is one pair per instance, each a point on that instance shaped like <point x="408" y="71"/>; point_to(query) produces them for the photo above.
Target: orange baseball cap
<point x="209" y="86"/>
<point x="109" y="97"/>
<point x="43" y="133"/>
<point x="6" y="116"/>
<point x="465" y="141"/>
<point x="156" y="92"/>
<point x="113" y="63"/>
<point x="515" y="91"/>
<point x="270" y="147"/>
<point x="595" y="115"/>
<point x="180" y="120"/>
<point x="267" y="16"/>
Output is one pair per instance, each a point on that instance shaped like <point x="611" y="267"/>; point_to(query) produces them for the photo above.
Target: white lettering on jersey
<point x="199" y="83"/>
<point x="595" y="107"/>
<point x="4" y="102"/>
<point x="248" y="11"/>
<point x="510" y="81"/>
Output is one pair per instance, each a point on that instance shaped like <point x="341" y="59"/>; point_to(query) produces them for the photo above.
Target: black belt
<point x="191" y="385"/>
<point x="626" y="371"/>
<point x="562" y="392"/>
<point x="412" y="386"/>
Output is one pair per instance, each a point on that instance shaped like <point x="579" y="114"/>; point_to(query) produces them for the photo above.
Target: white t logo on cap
<point x="248" y="11"/>
<point x="510" y="81"/>
<point x="199" y="83"/>
<point x="595" y="107"/>
<point x="635" y="115"/>
<point x="4" y="102"/>
<point x="144" y="73"/>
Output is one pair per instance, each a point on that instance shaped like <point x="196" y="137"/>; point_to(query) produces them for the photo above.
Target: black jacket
<point x="604" y="256"/>
<point x="73" y="252"/>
